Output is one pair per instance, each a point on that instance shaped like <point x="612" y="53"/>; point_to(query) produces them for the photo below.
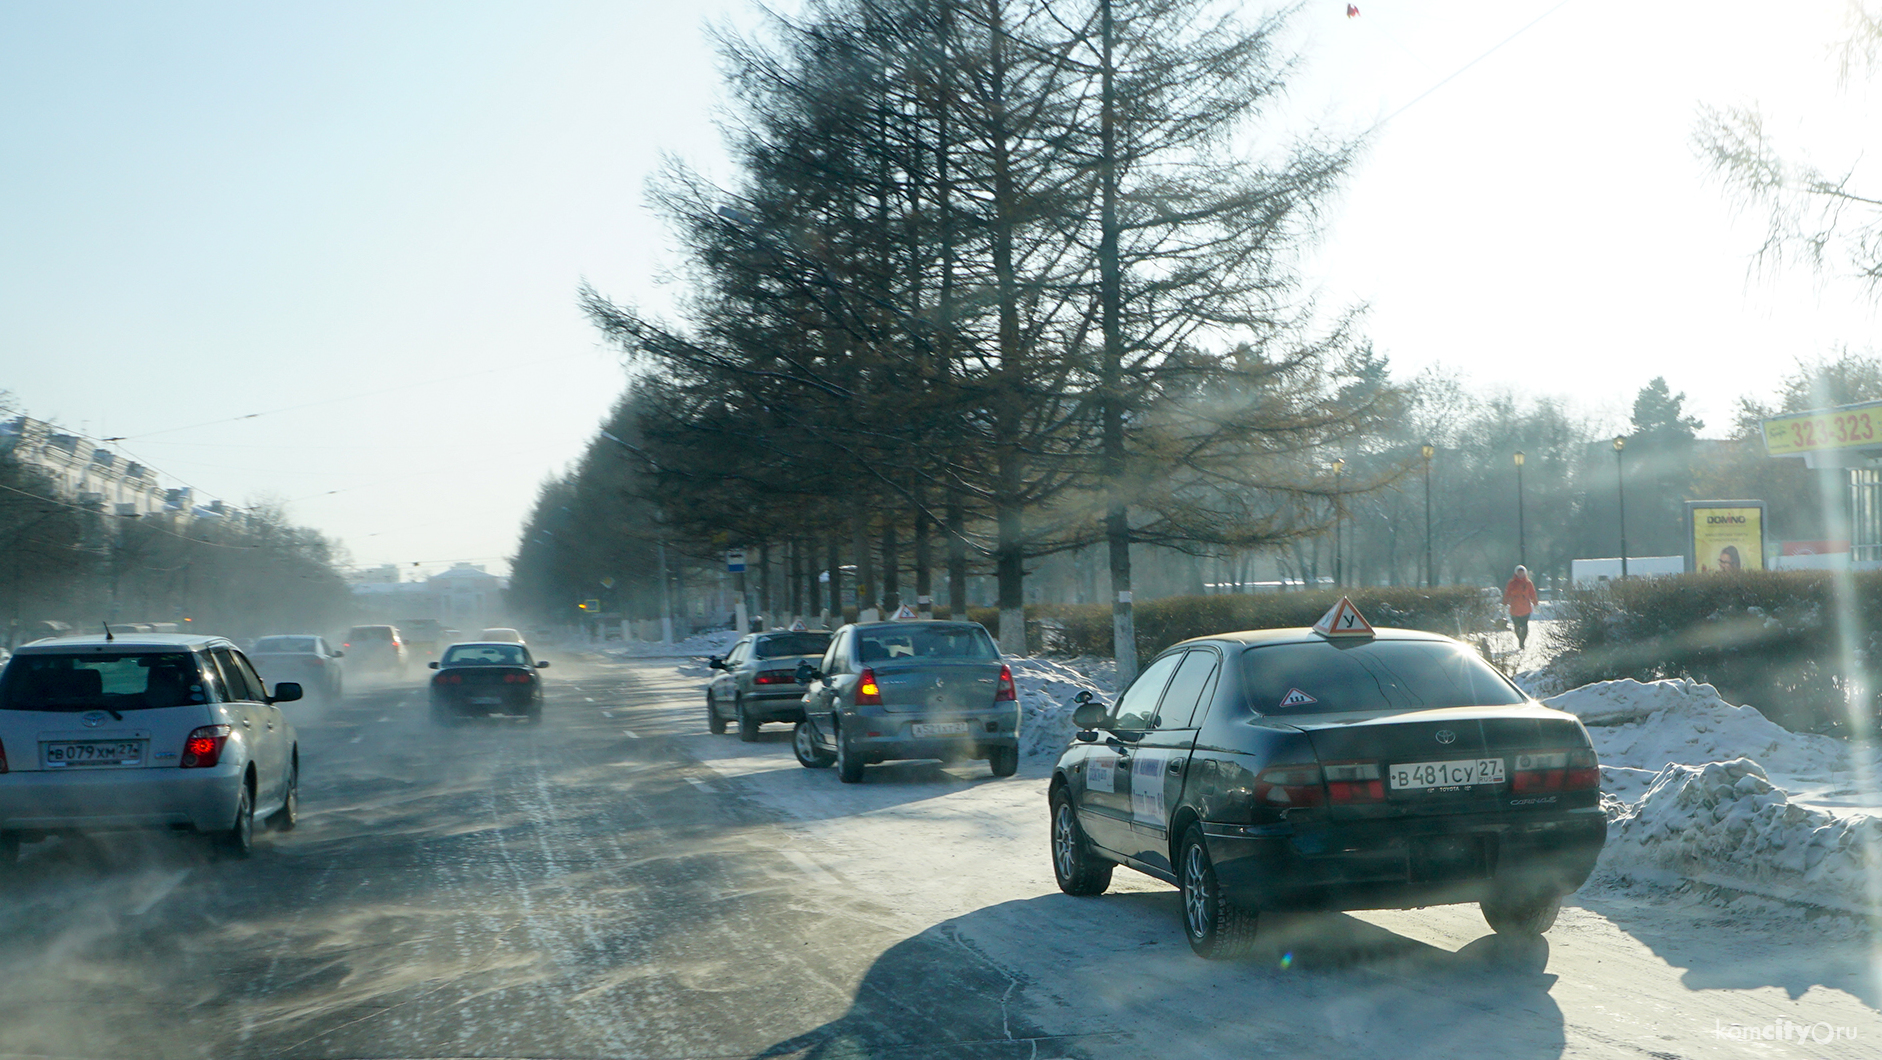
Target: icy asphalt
<point x="618" y="883"/>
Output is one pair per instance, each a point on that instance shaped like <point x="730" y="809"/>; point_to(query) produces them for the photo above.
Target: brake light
<point x="868" y="693"/>
<point x="1289" y="785"/>
<point x="1009" y="692"/>
<point x="204" y="747"/>
<point x="1351" y="782"/>
<point x="518" y="679"/>
<point x="348" y="644"/>
<point x="774" y="677"/>
<point x="449" y="679"/>
<point x="1555" y="771"/>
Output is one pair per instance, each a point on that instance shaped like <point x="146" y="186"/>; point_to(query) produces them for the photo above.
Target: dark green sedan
<point x="1290" y="769"/>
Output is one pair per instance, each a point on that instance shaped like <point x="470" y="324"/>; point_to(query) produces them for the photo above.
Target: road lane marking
<point x="168" y="884"/>
<point x="630" y="734"/>
<point x="700" y="784"/>
<point x="810" y="868"/>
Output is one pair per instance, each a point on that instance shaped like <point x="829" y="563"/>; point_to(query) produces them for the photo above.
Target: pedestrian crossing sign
<point x="1343" y="621"/>
<point x="905" y="613"/>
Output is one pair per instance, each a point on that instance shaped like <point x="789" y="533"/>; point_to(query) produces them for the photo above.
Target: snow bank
<point x="1046" y="688"/>
<point x="1645" y="726"/>
<point x="701" y="644"/>
<point x="1724" y="822"/>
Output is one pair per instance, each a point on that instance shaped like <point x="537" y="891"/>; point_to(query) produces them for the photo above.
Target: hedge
<point x="1767" y="638"/>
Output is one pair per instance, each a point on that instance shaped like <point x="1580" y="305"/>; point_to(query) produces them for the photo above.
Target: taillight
<point x="774" y="677"/>
<point x="868" y="693"/>
<point x="348" y="644"/>
<point x="1554" y="771"/>
<point x="1009" y="692"/>
<point x="1351" y="782"/>
<point x="1289" y="786"/>
<point x="204" y="747"/>
<point x="518" y="679"/>
<point x="449" y="679"/>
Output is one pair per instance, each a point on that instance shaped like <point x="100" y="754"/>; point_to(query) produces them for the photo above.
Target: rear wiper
<point x="115" y="716"/>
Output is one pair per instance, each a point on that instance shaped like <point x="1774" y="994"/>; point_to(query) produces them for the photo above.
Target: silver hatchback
<point x="911" y="689"/>
<point x="143" y="731"/>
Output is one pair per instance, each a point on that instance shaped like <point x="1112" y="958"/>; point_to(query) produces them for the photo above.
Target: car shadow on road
<point x="1744" y="946"/>
<point x="1057" y="976"/>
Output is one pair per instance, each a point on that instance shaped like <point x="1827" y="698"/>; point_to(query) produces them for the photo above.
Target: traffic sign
<point x="735" y="561"/>
<point x="591" y="605"/>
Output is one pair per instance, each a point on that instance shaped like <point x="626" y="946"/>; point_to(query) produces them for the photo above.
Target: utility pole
<point x="1620" y="489"/>
<point x="1522" y="548"/>
<point x="1431" y="573"/>
<point x="1111" y="313"/>
<point x="1339" y="520"/>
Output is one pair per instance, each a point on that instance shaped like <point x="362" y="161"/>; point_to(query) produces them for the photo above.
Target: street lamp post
<point x="1339" y="519"/>
<point x="1620" y="491"/>
<point x="1431" y="574"/>
<point x="1522" y="547"/>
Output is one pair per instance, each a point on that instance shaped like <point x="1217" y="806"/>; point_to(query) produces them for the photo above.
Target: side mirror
<point x="542" y="664"/>
<point x="713" y="662"/>
<point x="286" y="692"/>
<point x="337" y="653"/>
<point x="1089" y="715"/>
<point x="806" y="673"/>
<point x="433" y="665"/>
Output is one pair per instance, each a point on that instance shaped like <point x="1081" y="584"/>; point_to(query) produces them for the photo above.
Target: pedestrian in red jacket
<point x="1520" y="597"/>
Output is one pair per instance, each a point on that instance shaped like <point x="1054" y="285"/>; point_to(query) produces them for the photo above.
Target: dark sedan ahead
<point x="477" y="680"/>
<point x="1288" y="769"/>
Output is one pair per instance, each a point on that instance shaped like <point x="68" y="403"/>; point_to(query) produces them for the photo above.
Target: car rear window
<point x="965" y="641"/>
<point x="370" y="633"/>
<point x="1319" y="678"/>
<point x="486" y="655"/>
<point x="793" y="644"/>
<point x="96" y="681"/>
<point x="302" y="645"/>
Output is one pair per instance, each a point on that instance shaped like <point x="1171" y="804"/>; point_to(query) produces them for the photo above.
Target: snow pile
<point x="1046" y="688"/>
<point x="1639" y="727"/>
<point x="717" y="642"/>
<point x="1724" y="822"/>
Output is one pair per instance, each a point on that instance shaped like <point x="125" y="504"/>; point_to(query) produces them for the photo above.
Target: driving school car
<point x="1338" y="767"/>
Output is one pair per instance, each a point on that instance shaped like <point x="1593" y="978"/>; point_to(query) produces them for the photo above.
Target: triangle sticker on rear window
<point x="1296" y="698"/>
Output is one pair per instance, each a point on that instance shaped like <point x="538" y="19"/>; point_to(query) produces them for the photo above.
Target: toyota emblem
<point x="92" y="719"/>
<point x="1446" y="736"/>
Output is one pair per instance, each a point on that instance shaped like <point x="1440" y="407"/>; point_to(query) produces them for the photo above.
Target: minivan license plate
<point x="94" y="753"/>
<point x="1459" y="774"/>
<point x="940" y="728"/>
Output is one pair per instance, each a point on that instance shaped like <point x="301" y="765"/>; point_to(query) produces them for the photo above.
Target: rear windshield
<point x="486" y="655"/>
<point x="965" y="641"/>
<point x="370" y="633"/>
<point x="302" y="645"/>
<point x="1319" y="678"/>
<point x="793" y="644"/>
<point x="93" y="681"/>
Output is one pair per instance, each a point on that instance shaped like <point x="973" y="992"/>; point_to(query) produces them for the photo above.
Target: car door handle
<point x="1176" y="765"/>
<point x="248" y="723"/>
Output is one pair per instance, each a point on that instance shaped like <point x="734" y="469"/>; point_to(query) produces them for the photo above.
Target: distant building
<point x="88" y="473"/>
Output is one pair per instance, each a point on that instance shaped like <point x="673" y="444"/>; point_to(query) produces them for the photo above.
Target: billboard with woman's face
<point x="1726" y="535"/>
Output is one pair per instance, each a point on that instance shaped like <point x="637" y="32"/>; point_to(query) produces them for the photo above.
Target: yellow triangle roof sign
<point x="905" y="614"/>
<point x="799" y="627"/>
<point x="1343" y="621"/>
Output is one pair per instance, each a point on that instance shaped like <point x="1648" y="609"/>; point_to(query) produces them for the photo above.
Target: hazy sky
<point x="368" y="221"/>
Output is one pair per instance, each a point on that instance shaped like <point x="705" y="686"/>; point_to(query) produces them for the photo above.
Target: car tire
<point x="533" y="716"/>
<point x="714" y="724"/>
<point x="809" y="753"/>
<point x="289" y="815"/>
<point x="1521" y="914"/>
<point x="442" y="716"/>
<point x="849" y="766"/>
<point x="747" y="725"/>
<point x="1216" y="927"/>
<point x="1079" y="870"/>
<point x="238" y="840"/>
<point x="1004" y="761"/>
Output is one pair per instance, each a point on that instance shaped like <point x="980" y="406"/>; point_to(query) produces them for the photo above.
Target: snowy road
<point x="618" y="883"/>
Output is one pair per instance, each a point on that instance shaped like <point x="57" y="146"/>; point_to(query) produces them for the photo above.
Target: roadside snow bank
<point x="1046" y="688"/>
<point x="1725" y="823"/>
<point x="701" y="644"/>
